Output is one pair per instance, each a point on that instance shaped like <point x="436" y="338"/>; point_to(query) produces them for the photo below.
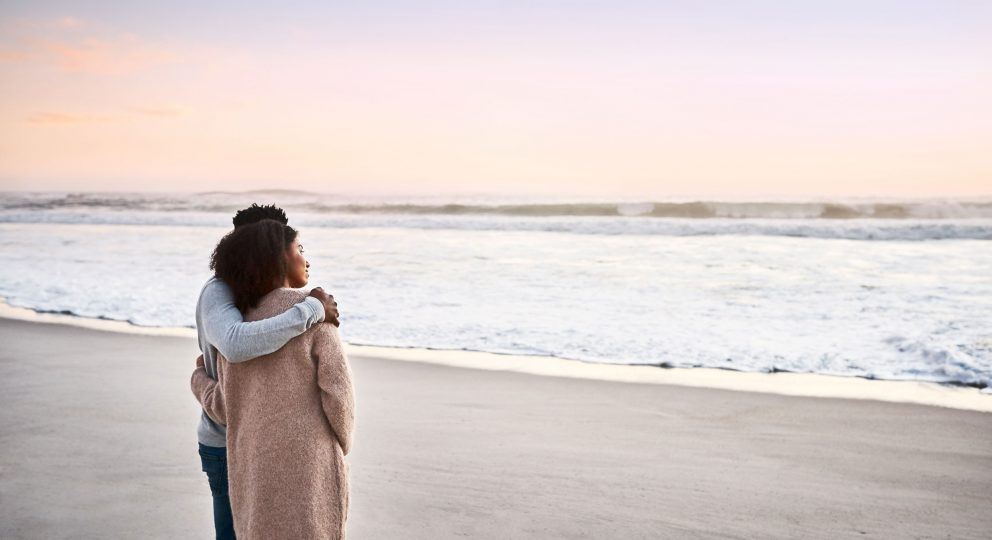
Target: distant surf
<point x="331" y="204"/>
<point x="851" y="220"/>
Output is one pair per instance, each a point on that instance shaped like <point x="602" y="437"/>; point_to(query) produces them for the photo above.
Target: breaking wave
<point x="913" y="221"/>
<point x="330" y="204"/>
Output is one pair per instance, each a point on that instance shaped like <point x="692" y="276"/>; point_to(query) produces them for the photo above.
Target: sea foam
<point x="894" y="298"/>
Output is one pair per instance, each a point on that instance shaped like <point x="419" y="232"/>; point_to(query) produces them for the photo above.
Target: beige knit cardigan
<point x="290" y="419"/>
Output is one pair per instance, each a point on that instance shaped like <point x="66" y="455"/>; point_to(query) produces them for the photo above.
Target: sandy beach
<point x="97" y="440"/>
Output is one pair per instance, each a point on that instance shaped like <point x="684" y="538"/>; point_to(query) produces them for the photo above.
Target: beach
<point x="661" y="270"/>
<point x="98" y="441"/>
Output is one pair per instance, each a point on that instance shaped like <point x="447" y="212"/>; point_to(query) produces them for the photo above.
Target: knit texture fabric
<point x="220" y="327"/>
<point x="290" y="419"/>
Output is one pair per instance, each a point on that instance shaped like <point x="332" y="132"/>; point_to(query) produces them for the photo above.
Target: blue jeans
<point x="215" y="465"/>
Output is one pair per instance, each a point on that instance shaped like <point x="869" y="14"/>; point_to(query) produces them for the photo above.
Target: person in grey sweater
<point x="220" y="327"/>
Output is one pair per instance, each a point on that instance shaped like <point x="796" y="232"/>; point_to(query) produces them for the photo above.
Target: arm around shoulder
<point x="237" y="340"/>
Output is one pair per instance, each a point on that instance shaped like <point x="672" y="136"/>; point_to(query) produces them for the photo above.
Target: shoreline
<point x="781" y="383"/>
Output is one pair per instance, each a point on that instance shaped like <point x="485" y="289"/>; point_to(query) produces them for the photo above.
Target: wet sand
<point x="97" y="440"/>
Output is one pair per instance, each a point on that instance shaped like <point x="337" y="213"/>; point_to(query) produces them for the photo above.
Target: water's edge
<point x="781" y="382"/>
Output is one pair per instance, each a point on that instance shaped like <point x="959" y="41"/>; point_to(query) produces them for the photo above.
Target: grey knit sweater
<point x="221" y="327"/>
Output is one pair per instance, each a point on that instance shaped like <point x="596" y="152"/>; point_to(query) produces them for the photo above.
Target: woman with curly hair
<point x="290" y="415"/>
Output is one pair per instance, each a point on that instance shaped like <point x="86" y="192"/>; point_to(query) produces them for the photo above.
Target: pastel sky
<point x="617" y="99"/>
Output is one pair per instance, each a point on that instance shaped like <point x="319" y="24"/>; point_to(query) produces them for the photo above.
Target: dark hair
<point x="256" y="213"/>
<point x="251" y="260"/>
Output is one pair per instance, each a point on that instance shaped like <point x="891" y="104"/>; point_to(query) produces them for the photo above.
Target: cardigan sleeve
<point x="209" y="393"/>
<point x="337" y="392"/>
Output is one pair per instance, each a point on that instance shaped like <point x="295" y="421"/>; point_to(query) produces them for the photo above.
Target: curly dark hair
<point x="251" y="260"/>
<point x="256" y="213"/>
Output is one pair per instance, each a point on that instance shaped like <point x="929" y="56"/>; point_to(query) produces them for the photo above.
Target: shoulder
<point x="326" y="337"/>
<point x="276" y="302"/>
<point x="286" y="296"/>
<point x="214" y="287"/>
<point x="213" y="294"/>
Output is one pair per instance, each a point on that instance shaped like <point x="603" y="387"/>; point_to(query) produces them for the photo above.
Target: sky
<point x="619" y="99"/>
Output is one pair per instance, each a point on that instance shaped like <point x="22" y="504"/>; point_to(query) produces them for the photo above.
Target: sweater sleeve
<point x="225" y="327"/>
<point x="208" y="392"/>
<point x="337" y="393"/>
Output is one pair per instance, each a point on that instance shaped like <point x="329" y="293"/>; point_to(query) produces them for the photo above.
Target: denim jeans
<point x="215" y="465"/>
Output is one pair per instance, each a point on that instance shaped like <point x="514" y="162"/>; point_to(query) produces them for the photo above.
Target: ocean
<point x="878" y="289"/>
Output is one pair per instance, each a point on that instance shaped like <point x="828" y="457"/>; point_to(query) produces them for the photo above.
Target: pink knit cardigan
<point x="290" y="419"/>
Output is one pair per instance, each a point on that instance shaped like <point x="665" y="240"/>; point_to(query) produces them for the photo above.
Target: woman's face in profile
<point x="297" y="266"/>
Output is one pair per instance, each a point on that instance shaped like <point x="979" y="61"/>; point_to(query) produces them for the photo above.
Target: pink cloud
<point x="102" y="56"/>
<point x="58" y="117"/>
<point x="48" y="117"/>
<point x="60" y="43"/>
<point x="13" y="55"/>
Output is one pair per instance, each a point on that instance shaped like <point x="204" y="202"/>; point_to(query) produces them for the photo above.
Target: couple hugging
<point x="275" y="387"/>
